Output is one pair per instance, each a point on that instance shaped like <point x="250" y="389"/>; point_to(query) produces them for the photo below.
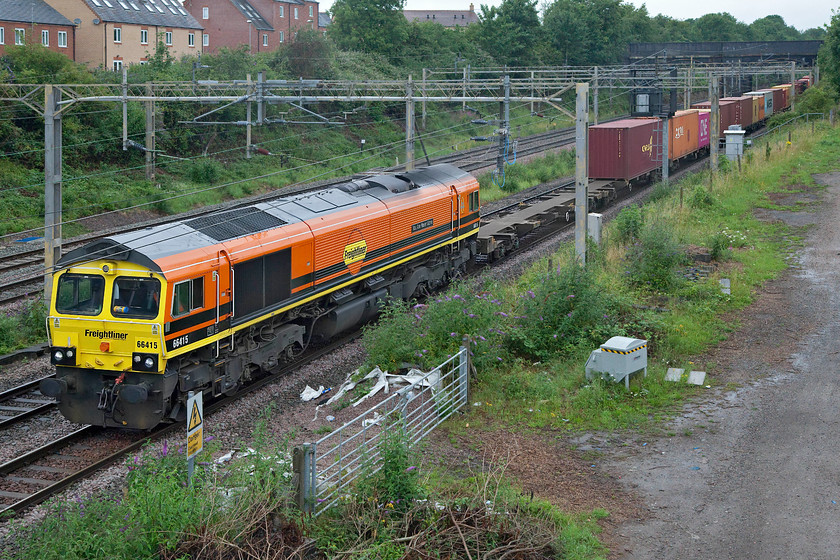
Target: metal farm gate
<point x="325" y="469"/>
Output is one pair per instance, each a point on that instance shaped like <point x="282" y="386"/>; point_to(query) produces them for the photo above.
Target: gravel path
<point x="753" y="472"/>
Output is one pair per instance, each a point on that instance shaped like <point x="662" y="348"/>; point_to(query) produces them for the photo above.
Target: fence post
<point x="464" y="371"/>
<point x="303" y="466"/>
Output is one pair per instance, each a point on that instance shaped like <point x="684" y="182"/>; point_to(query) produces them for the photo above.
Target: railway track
<point x="22" y="272"/>
<point x="41" y="473"/>
<point x="32" y="478"/>
<point x="23" y="402"/>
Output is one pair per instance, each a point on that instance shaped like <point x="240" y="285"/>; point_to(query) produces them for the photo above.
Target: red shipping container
<point x="727" y="113"/>
<point x="743" y="110"/>
<point x="705" y="128"/>
<point x="624" y="149"/>
<point x="778" y="100"/>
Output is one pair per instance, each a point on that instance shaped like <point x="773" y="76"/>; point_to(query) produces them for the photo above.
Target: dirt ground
<point x="748" y="470"/>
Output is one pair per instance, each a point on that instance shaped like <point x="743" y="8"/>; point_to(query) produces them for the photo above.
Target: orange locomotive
<point x="140" y="319"/>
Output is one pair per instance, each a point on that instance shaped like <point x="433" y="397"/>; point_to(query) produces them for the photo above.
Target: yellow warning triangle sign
<point x="195" y="417"/>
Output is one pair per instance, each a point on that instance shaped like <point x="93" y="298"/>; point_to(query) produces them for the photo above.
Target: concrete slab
<point x="697" y="377"/>
<point x="674" y="374"/>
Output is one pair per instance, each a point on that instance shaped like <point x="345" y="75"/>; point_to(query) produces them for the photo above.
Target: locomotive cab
<point x="106" y="341"/>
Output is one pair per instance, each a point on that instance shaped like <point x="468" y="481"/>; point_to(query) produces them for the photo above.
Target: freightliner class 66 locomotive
<point x="139" y="319"/>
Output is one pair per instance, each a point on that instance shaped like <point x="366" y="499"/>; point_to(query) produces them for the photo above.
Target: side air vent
<point x="235" y="223"/>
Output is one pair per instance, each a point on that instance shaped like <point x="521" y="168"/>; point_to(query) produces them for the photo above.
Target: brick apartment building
<point x="115" y="33"/>
<point x="262" y="25"/>
<point x="24" y="22"/>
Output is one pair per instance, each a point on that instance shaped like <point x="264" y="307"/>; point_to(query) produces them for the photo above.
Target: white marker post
<point x="195" y="429"/>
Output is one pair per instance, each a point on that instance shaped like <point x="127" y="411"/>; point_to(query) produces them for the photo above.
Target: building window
<point x="117" y="65"/>
<point x="2" y="35"/>
<point x="205" y="40"/>
<point x="282" y="12"/>
<point x="310" y="11"/>
<point x="20" y="36"/>
<point x="191" y="39"/>
<point x="118" y="34"/>
<point x="205" y="13"/>
<point x="62" y="39"/>
<point x="281" y="36"/>
<point x="265" y="39"/>
<point x="296" y="13"/>
<point x="45" y="37"/>
<point x="168" y="36"/>
<point x="144" y="36"/>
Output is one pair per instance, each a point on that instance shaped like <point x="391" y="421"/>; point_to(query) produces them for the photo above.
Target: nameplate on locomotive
<point x="422" y="225"/>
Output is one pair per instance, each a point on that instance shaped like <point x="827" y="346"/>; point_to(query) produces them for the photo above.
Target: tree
<point x="309" y="55"/>
<point x="773" y="28"/>
<point x="374" y="26"/>
<point x="719" y="27"/>
<point x="594" y="31"/>
<point x="510" y="32"/>
<point x="829" y="56"/>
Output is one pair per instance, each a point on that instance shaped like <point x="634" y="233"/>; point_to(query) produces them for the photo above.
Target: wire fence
<point x="326" y="469"/>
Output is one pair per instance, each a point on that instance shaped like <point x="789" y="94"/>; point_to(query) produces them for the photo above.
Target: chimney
<point x="472" y="7"/>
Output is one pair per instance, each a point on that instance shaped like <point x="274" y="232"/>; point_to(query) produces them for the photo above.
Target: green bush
<point x="628" y="224"/>
<point x="719" y="246"/>
<point x="23" y="324"/>
<point x="701" y="198"/>
<point x="565" y="309"/>
<point x="427" y="334"/>
<point x="204" y="171"/>
<point x="652" y="262"/>
<point x="391" y="480"/>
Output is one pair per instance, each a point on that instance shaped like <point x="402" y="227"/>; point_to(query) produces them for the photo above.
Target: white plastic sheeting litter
<point x="384" y="381"/>
<point x="309" y="393"/>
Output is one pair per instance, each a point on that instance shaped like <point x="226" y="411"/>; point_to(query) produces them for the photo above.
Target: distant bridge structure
<point x="804" y="53"/>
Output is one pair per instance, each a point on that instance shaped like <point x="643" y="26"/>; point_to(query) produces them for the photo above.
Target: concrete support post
<point x="464" y="93"/>
<point x="793" y="85"/>
<point x="714" y="133"/>
<point x="504" y="129"/>
<point x="690" y="83"/>
<point x="260" y="98"/>
<point x="125" y="109"/>
<point x="595" y="96"/>
<point x="409" y="125"/>
<point x="150" y="136"/>
<point x="581" y="169"/>
<point x="423" y="104"/>
<point x="532" y="91"/>
<point x="52" y="185"/>
<point x="248" y="119"/>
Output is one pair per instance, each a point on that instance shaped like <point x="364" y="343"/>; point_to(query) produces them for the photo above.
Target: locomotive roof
<point x="145" y="246"/>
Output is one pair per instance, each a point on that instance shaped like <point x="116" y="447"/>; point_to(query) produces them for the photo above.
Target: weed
<point x="628" y="224"/>
<point x="701" y="198"/>
<point x="653" y="260"/>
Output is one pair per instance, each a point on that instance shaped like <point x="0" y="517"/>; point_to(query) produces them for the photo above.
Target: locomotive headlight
<point x="136" y="358"/>
<point x="149" y="363"/>
<point x="69" y="353"/>
<point x="59" y="355"/>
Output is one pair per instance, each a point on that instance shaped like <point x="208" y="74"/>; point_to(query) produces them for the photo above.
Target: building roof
<point x="250" y="12"/>
<point x="161" y="13"/>
<point x="31" y="11"/>
<point x="447" y="18"/>
<point x="324" y="19"/>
